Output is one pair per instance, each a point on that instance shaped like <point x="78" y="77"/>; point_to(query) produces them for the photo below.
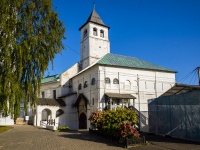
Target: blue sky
<point x="163" y="32"/>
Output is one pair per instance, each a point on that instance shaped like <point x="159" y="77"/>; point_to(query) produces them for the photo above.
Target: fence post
<point x="144" y="140"/>
<point x="126" y="141"/>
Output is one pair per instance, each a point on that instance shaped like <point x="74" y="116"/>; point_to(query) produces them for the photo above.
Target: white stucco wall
<point x="68" y="74"/>
<point x="6" y="120"/>
<point x="143" y="84"/>
<point x="149" y="84"/>
<point x="70" y="117"/>
<point x="49" y="87"/>
<point x="91" y="92"/>
<point x="39" y="115"/>
<point x="93" y="47"/>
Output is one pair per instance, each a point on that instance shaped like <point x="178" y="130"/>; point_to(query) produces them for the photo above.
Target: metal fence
<point x="177" y="115"/>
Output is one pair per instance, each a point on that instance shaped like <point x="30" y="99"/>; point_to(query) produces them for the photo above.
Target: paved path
<point x="31" y="138"/>
<point x="167" y="143"/>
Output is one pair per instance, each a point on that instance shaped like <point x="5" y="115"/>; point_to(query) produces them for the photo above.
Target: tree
<point x="30" y="36"/>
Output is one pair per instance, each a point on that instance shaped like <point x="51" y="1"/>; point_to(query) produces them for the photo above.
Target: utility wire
<point x="193" y="74"/>
<point x="186" y="77"/>
<point x="72" y="49"/>
<point x="192" y="81"/>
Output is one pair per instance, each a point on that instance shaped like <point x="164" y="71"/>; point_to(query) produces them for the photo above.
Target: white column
<point x="34" y="120"/>
<point x="88" y="115"/>
<point x="53" y="116"/>
<point x="39" y="117"/>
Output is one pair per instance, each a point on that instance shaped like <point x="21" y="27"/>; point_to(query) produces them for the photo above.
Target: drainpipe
<point x="155" y="86"/>
<point x="138" y="84"/>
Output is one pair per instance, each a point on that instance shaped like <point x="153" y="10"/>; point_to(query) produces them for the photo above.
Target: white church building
<point x="100" y="81"/>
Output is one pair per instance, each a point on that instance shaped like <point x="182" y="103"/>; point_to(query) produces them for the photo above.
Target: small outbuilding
<point x="176" y="113"/>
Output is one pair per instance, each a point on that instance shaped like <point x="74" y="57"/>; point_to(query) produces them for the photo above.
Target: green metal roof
<point x="131" y="62"/>
<point x="51" y="78"/>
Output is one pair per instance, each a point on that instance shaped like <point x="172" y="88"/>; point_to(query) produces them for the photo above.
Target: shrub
<point x="96" y="118"/>
<point x="63" y="128"/>
<point x="127" y="131"/>
<point x="110" y="121"/>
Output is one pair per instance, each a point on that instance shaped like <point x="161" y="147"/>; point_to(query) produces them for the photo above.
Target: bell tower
<point x="94" y="40"/>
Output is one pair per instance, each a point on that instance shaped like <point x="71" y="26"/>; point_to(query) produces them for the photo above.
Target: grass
<point x="5" y="128"/>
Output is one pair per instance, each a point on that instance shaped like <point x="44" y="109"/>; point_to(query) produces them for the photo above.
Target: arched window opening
<point x="127" y="84"/>
<point x="85" y="84"/>
<point x="95" y="31"/>
<point x="107" y="80"/>
<point x="115" y="81"/>
<point x="93" y="81"/>
<point x="79" y="87"/>
<point x="102" y="33"/>
<point x="85" y="33"/>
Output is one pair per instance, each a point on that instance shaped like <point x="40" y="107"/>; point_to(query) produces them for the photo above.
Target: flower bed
<point x="117" y="125"/>
<point x="124" y="142"/>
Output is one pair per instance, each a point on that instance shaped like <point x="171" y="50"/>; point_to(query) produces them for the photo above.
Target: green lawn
<point x="5" y="128"/>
